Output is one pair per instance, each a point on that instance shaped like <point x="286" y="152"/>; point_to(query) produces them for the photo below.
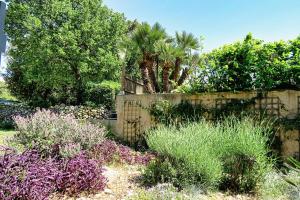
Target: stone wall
<point x="134" y="118"/>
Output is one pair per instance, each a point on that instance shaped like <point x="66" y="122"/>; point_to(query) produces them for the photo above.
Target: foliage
<point x="230" y="155"/>
<point x="47" y="132"/>
<point x="249" y="65"/>
<point x="109" y="152"/>
<point x="103" y="94"/>
<point x="294" y="163"/>
<point x="25" y="176"/>
<point x="59" y="46"/>
<point x="5" y="93"/>
<point x="5" y="135"/>
<point x="158" y="55"/>
<point x="30" y="177"/>
<point x="166" y="113"/>
<point x="8" y="112"/>
<point x="81" y="112"/>
<point x="276" y="187"/>
<point x="81" y="174"/>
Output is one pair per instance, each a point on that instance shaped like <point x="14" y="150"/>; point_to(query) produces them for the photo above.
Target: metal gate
<point x="132" y="121"/>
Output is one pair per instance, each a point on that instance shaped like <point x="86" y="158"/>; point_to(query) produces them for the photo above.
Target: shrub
<point x="28" y="176"/>
<point x="230" y="154"/>
<point x="103" y="93"/>
<point x="109" y="151"/>
<point x="9" y="111"/>
<point x="166" y="113"/>
<point x="81" y="174"/>
<point x="49" y="133"/>
<point x="81" y="112"/>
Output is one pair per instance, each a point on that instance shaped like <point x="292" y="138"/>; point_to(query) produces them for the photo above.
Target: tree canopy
<point x="59" y="46"/>
<point x="163" y="60"/>
<point x="250" y="64"/>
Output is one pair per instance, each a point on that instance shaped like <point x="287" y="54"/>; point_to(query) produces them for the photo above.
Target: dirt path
<point x="121" y="185"/>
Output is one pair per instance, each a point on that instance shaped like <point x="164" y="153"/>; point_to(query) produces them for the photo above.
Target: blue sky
<point x="219" y="21"/>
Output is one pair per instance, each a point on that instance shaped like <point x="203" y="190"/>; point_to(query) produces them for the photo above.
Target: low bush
<point x="81" y="174"/>
<point x="103" y="94"/>
<point x="29" y="176"/>
<point x="109" y="152"/>
<point x="81" y="112"/>
<point x="52" y="133"/>
<point x="9" y="111"/>
<point x="231" y="155"/>
<point x="164" y="112"/>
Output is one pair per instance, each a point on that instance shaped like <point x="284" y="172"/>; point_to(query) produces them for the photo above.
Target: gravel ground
<point x="123" y="184"/>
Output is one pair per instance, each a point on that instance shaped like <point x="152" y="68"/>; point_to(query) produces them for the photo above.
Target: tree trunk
<point x="175" y="73"/>
<point x="145" y="78"/>
<point x="150" y="67"/>
<point x="183" y="77"/>
<point x="166" y="86"/>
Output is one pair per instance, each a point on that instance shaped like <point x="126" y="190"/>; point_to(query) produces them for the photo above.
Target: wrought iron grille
<point x="132" y="121"/>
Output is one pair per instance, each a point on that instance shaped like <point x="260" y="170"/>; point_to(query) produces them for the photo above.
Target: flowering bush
<point x="109" y="151"/>
<point x="81" y="112"/>
<point x="28" y="176"/>
<point x="45" y="131"/>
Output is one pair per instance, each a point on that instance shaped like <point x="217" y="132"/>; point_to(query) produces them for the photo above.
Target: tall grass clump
<point x="230" y="155"/>
<point x="50" y="133"/>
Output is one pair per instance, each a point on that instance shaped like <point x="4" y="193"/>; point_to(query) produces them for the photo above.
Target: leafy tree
<point x="59" y="46"/>
<point x="250" y="65"/>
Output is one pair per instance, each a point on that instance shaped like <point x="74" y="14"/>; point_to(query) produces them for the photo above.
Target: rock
<point x="108" y="191"/>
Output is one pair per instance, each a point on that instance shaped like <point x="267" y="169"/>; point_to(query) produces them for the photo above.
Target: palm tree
<point x="192" y="61"/>
<point x="187" y="42"/>
<point x="166" y="54"/>
<point x="144" y="38"/>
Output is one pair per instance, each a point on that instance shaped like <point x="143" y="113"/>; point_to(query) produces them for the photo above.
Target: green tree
<point x="144" y="38"/>
<point x="187" y="43"/>
<point x="59" y="46"/>
<point x="250" y="65"/>
<point x="167" y="54"/>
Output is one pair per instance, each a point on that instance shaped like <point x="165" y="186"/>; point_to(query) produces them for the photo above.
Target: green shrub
<point x="50" y="133"/>
<point x="166" y="170"/>
<point x="102" y="94"/>
<point x="230" y="155"/>
<point x="164" y="112"/>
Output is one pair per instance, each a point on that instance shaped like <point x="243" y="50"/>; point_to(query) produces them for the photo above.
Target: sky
<point x="219" y="21"/>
